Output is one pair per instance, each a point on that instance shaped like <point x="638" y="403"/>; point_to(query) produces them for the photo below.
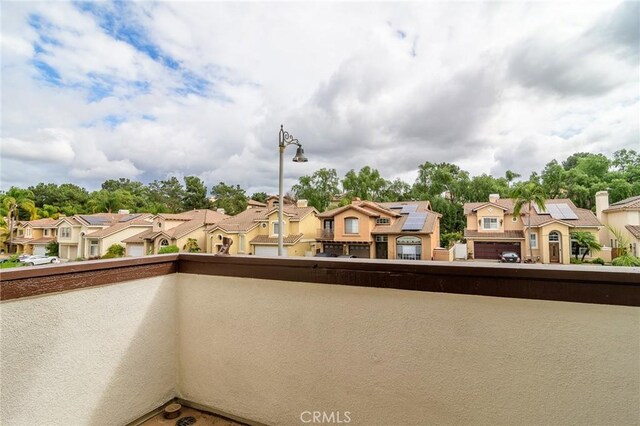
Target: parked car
<point x="39" y="260"/>
<point x="509" y="256"/>
<point x="350" y="256"/>
<point x="326" y="255"/>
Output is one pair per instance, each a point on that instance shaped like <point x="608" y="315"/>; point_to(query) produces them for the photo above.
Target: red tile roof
<point x="494" y="235"/>
<point x="264" y="239"/>
<point x="634" y="230"/>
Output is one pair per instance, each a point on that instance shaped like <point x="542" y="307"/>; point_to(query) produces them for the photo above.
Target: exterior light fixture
<point x="284" y="140"/>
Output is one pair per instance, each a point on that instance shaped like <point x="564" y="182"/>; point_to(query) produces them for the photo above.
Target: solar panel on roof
<point x="410" y="208"/>
<point x="566" y="211"/>
<point x="95" y="220"/>
<point x="540" y="211"/>
<point x="414" y="222"/>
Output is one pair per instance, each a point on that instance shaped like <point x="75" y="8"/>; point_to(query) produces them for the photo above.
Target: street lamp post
<point x="285" y="139"/>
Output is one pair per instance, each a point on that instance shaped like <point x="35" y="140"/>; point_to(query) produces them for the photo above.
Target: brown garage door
<point x="360" y="250"/>
<point x="487" y="250"/>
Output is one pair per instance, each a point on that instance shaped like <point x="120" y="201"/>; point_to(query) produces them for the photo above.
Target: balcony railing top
<point x="585" y="284"/>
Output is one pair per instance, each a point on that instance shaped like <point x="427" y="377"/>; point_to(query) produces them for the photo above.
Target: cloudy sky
<point x="93" y="91"/>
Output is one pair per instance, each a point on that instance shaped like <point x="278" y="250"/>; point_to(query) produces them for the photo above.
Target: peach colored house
<point x="33" y="236"/>
<point x="623" y="216"/>
<point x="399" y="230"/>
<point x="255" y="230"/>
<point x="173" y="229"/>
<point x="492" y="228"/>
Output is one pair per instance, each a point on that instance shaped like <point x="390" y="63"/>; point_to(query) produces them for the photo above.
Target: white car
<point x="39" y="260"/>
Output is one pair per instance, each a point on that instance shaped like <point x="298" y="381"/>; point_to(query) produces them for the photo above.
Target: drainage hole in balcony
<point x="185" y="421"/>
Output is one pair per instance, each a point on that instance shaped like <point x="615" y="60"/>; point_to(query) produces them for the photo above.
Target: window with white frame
<point x="93" y="248"/>
<point x="275" y="228"/>
<point x="554" y="237"/>
<point x="46" y="232"/>
<point x="240" y="243"/>
<point x="490" y="223"/>
<point x="383" y="221"/>
<point x="534" y="240"/>
<point x="27" y="232"/>
<point x="65" y="232"/>
<point x="409" y="248"/>
<point x="351" y="225"/>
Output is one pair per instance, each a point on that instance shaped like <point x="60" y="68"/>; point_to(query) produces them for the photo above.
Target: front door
<point x="554" y="252"/>
<point x="382" y="250"/>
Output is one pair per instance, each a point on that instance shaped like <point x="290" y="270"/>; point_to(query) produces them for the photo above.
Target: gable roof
<point x="367" y="208"/>
<point x="42" y="223"/>
<point x="586" y="218"/>
<point x="192" y="220"/>
<point x="631" y="203"/>
<point x="107" y="219"/>
<point x="117" y="227"/>
<point x="250" y="218"/>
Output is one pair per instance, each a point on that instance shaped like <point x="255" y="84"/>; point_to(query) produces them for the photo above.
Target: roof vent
<point x="123" y="211"/>
<point x="186" y="421"/>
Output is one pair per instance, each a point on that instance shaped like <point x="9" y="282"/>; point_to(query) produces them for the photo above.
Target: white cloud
<point x="202" y="87"/>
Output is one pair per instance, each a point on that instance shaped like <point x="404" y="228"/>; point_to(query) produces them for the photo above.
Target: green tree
<point x="367" y="184"/>
<point x="528" y="194"/>
<point x="230" y="198"/>
<point x="192" y="246"/>
<point x="585" y="240"/>
<point x="195" y="194"/>
<point x="398" y="190"/>
<point x="110" y="201"/>
<point x="167" y="195"/>
<point x="114" y="250"/>
<point x="553" y="179"/>
<point x="259" y="196"/>
<point x="480" y="187"/>
<point x="13" y="201"/>
<point x="139" y="192"/>
<point x="435" y="179"/>
<point x="317" y="189"/>
<point x="52" y="249"/>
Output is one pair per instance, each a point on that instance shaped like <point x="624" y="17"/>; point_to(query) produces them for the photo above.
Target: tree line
<point x="445" y="185"/>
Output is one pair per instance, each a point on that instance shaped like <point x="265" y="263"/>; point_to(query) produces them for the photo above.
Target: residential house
<point x="173" y="229"/>
<point x="33" y="236"/>
<point x="623" y="216"/>
<point x="492" y="228"/>
<point x="399" y="230"/>
<point x="255" y="230"/>
<point x="82" y="236"/>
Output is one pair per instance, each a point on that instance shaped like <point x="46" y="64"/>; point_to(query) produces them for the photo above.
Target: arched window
<point x="164" y="242"/>
<point x="351" y="225"/>
<point x="554" y="236"/>
<point x="409" y="248"/>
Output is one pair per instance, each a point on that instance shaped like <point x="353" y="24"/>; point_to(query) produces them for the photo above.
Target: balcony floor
<point x="202" y="419"/>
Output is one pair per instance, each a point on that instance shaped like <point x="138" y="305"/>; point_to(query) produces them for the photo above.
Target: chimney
<point x="493" y="198"/>
<point x="302" y="203"/>
<point x="602" y="203"/>
<point x="220" y="211"/>
<point x="122" y="211"/>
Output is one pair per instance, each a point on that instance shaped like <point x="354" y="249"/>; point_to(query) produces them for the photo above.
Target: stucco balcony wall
<point x="268" y="340"/>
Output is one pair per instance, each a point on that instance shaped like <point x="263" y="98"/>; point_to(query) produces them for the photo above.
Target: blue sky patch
<point x="114" y="120"/>
<point x="47" y="72"/>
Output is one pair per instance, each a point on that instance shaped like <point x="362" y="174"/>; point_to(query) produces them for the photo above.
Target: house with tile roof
<point x="255" y="230"/>
<point x="399" y="230"/>
<point x="32" y="237"/>
<point x="623" y="216"/>
<point x="173" y="229"/>
<point x="492" y="228"/>
<point x="90" y="235"/>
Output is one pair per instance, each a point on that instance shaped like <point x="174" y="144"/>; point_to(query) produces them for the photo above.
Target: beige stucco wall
<point x="98" y="356"/>
<point x="117" y="238"/>
<point x="270" y="350"/>
<point x="618" y="220"/>
<point x="490" y="211"/>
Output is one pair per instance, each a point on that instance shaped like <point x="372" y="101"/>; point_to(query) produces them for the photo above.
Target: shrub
<point x="192" y="246"/>
<point x="53" y="248"/>
<point x="115" y="250"/>
<point x="169" y="249"/>
<point x="575" y="261"/>
<point x="626" y="260"/>
<point x="79" y="259"/>
<point x="598" y="260"/>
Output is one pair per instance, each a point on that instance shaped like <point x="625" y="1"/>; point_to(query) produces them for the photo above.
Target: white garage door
<point x="267" y="251"/>
<point x="40" y="250"/>
<point x="135" y="250"/>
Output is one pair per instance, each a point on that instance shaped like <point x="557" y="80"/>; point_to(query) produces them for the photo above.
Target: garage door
<point x="333" y="248"/>
<point x="40" y="250"/>
<point x="135" y="250"/>
<point x="268" y="251"/>
<point x="487" y="250"/>
<point x="360" y="250"/>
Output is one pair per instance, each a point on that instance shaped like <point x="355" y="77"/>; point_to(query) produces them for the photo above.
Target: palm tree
<point x="587" y="240"/>
<point x="11" y="205"/>
<point x="528" y="193"/>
